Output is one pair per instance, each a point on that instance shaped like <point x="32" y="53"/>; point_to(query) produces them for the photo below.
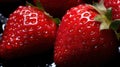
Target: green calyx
<point x="105" y="17"/>
<point x="115" y="25"/>
<point x="57" y="20"/>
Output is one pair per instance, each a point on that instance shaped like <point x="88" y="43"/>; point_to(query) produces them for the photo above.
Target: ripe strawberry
<point x="80" y="41"/>
<point x="115" y="5"/>
<point x="58" y="8"/>
<point x="28" y="31"/>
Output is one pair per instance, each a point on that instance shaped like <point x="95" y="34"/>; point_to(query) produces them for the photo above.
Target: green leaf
<point x="117" y="34"/>
<point x="109" y="13"/>
<point x="115" y="25"/>
<point x="39" y="5"/>
<point x="57" y="20"/>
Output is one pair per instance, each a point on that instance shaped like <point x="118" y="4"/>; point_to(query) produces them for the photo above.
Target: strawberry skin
<point x="58" y="8"/>
<point x="28" y="31"/>
<point x="115" y="5"/>
<point x="80" y="42"/>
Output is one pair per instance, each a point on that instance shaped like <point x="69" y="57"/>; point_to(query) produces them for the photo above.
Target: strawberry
<point x="58" y="8"/>
<point x="28" y="31"/>
<point x="82" y="40"/>
<point x="114" y="4"/>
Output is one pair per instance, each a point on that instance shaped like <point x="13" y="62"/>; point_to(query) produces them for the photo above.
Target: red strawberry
<point x="80" y="42"/>
<point x="58" y="8"/>
<point x="28" y="31"/>
<point x="115" y="5"/>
